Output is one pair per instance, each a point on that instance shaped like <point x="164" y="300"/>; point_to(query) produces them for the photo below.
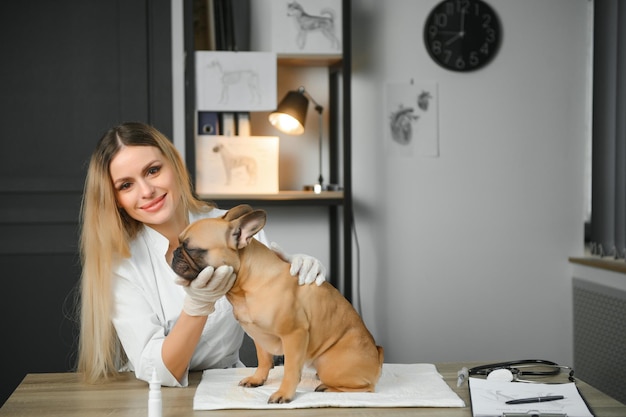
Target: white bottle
<point x="155" y="404"/>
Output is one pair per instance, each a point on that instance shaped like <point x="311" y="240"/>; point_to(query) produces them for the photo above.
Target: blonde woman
<point x="134" y="313"/>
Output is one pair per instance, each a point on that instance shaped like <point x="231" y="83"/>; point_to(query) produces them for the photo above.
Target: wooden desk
<point x="63" y="395"/>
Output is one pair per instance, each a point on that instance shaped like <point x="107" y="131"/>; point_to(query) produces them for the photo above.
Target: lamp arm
<point x="318" y="108"/>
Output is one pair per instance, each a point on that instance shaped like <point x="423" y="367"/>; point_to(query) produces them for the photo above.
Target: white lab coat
<point x="147" y="303"/>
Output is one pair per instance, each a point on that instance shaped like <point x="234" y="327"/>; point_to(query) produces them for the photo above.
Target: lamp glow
<point x="286" y="123"/>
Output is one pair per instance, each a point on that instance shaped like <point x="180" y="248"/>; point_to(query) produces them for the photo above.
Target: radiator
<point x="600" y="337"/>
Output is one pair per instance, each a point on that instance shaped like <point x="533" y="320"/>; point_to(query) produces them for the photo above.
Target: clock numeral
<point x="474" y="59"/>
<point x="450" y="8"/>
<point x="441" y="20"/>
<point x="460" y="63"/>
<point x="485" y="48"/>
<point x="476" y="9"/>
<point x="436" y="47"/>
<point x="491" y="35"/>
<point x="432" y="31"/>
<point x="486" y="20"/>
<point x="457" y="6"/>
<point x="462" y="6"/>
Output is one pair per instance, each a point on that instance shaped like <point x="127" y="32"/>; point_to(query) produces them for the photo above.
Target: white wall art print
<point x="412" y="119"/>
<point x="296" y="26"/>
<point x="235" y="81"/>
<point x="236" y="164"/>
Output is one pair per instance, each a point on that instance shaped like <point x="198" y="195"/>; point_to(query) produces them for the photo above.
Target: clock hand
<point x="463" y="21"/>
<point x="459" y="34"/>
<point x="454" y="38"/>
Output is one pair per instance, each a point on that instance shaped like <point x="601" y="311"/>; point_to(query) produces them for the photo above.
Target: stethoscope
<point x="513" y="370"/>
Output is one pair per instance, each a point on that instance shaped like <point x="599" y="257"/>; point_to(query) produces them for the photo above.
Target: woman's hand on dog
<point x="307" y="268"/>
<point x="210" y="285"/>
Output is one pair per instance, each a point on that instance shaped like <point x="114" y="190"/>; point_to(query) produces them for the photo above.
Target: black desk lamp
<point x="290" y="116"/>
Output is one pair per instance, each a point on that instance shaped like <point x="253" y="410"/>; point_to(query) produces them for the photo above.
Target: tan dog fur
<point x="305" y="323"/>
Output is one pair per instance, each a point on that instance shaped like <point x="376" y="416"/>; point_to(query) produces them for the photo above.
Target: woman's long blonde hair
<point x="106" y="232"/>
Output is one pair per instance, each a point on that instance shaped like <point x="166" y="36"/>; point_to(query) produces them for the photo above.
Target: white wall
<point x="464" y="257"/>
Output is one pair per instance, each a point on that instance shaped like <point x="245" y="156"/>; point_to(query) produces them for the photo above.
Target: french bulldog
<point x="308" y="324"/>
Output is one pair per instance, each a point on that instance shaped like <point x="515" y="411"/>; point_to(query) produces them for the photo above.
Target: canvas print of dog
<point x="306" y="24"/>
<point x="308" y="324"/>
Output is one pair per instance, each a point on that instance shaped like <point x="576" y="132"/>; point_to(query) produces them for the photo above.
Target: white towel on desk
<point x="400" y="385"/>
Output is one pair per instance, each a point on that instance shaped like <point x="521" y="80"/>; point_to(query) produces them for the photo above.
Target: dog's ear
<point x="245" y="227"/>
<point x="236" y="212"/>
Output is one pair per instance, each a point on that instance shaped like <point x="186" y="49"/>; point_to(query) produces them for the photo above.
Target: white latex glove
<point x="307" y="268"/>
<point x="208" y="287"/>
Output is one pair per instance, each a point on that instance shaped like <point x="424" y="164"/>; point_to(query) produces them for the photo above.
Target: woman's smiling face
<point x="145" y="184"/>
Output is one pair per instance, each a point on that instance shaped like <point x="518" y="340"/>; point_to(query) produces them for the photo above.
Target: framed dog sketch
<point x="236" y="164"/>
<point x="296" y="26"/>
<point x="235" y="81"/>
<point x="412" y="119"/>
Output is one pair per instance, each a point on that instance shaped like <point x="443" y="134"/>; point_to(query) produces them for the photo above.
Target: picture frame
<point x="297" y="27"/>
<point x="412" y="118"/>
<point x="236" y="164"/>
<point x="230" y="81"/>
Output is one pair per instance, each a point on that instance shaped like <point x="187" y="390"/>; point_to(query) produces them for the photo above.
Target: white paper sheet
<point x="235" y="81"/>
<point x="489" y="397"/>
<point x="400" y="385"/>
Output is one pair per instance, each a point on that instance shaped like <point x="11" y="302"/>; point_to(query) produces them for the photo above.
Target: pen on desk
<point x="535" y="399"/>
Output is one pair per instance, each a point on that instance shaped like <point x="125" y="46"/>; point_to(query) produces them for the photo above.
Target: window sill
<point x="608" y="264"/>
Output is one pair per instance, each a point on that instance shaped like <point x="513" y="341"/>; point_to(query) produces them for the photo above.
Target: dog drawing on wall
<point x="307" y="23"/>
<point x="234" y="162"/>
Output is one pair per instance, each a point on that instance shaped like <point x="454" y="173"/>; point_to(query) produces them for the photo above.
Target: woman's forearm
<point x="180" y="343"/>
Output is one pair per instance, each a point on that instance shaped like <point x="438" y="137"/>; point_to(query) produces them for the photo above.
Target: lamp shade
<point x="290" y="115"/>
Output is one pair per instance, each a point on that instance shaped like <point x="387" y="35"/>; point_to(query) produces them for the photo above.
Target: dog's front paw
<point x="280" y="398"/>
<point x="251" y="382"/>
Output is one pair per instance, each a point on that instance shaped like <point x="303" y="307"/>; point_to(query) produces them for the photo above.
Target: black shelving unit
<point x="339" y="203"/>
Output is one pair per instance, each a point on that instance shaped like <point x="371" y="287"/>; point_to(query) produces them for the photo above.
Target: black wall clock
<point x="462" y="35"/>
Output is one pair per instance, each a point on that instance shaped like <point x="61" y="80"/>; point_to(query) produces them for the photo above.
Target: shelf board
<point x="320" y="60"/>
<point x="282" y="198"/>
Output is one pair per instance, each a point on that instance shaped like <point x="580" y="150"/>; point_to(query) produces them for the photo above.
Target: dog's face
<point x="294" y="9"/>
<point x="216" y="242"/>
<point x="203" y="243"/>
